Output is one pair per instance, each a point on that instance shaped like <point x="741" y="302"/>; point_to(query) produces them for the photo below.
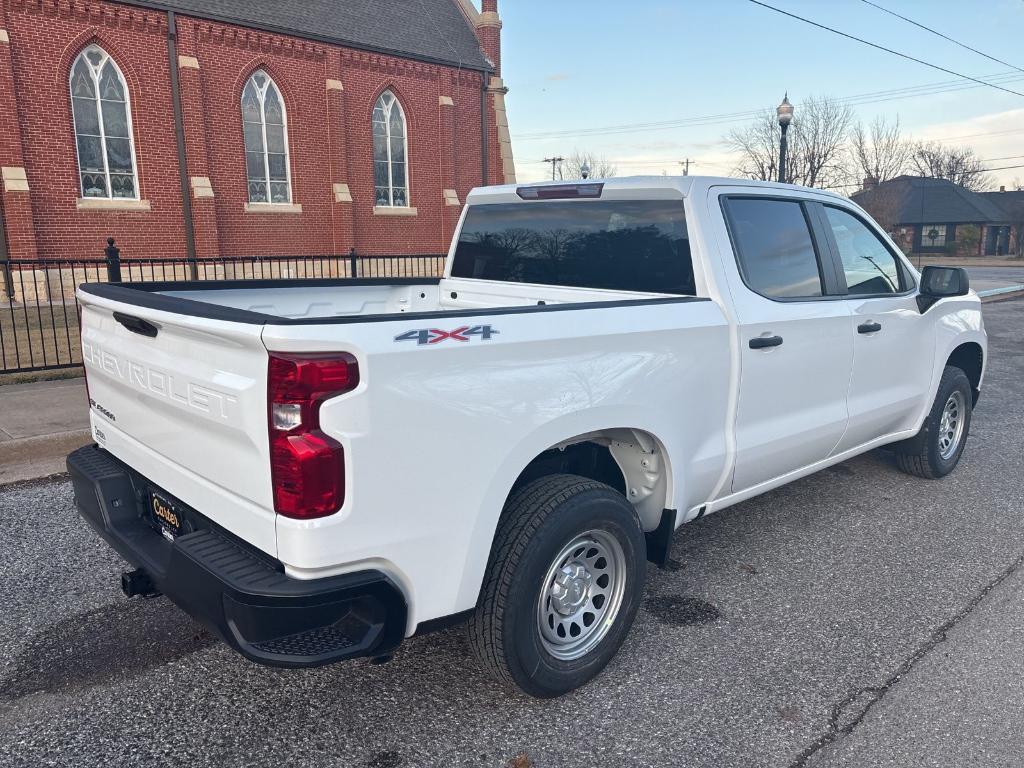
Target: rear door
<point x="893" y="343"/>
<point x="182" y="400"/>
<point x="796" y="341"/>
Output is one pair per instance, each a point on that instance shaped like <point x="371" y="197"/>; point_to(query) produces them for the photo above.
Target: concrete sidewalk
<point x="40" y="424"/>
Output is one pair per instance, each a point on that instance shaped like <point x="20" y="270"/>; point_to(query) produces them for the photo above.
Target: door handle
<point x="870" y="327"/>
<point x="763" y="342"/>
<point x="137" y="325"/>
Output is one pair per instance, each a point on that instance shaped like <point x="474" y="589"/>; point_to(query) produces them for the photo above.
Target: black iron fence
<point x="39" y="317"/>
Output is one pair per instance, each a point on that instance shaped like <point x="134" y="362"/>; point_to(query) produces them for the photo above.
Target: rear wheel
<point x="935" y="450"/>
<point x="563" y="585"/>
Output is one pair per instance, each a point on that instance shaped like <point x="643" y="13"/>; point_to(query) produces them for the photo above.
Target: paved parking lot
<point x="857" y="617"/>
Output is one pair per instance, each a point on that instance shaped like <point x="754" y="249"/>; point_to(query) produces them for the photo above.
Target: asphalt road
<point x="995" y="277"/>
<point x="1009" y="274"/>
<point x="857" y="617"/>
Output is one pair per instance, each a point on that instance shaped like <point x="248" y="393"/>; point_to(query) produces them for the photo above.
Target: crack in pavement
<point x="874" y="693"/>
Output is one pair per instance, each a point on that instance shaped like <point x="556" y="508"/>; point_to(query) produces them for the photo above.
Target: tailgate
<point x="185" y="407"/>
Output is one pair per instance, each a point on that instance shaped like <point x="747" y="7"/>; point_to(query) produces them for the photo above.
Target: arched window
<point x="103" y="127"/>
<point x="390" y="170"/>
<point x="265" y="126"/>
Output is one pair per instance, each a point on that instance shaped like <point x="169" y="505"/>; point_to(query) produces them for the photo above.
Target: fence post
<point x="113" y="254"/>
<point x="353" y="264"/>
<point x="5" y="264"/>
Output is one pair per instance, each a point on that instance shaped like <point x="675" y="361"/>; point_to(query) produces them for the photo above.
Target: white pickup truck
<point x="317" y="469"/>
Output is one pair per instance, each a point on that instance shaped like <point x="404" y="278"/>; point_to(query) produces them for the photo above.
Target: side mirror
<point x="941" y="282"/>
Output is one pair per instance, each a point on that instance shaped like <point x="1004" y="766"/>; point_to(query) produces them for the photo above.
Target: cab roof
<point x="626" y="187"/>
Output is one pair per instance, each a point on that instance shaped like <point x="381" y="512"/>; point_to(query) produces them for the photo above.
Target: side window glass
<point x="774" y="246"/>
<point x="869" y="266"/>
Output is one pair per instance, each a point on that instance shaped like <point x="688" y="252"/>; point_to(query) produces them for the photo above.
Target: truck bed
<point x="309" y="301"/>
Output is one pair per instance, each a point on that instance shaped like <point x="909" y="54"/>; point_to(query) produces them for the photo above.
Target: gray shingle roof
<point x="1012" y="203"/>
<point x="923" y="200"/>
<point x="429" y="30"/>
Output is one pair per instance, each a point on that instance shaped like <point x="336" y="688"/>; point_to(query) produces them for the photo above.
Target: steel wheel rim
<point x="951" y="425"/>
<point x="581" y="595"/>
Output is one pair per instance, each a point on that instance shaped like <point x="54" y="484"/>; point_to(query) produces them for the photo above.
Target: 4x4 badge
<point x="436" y="335"/>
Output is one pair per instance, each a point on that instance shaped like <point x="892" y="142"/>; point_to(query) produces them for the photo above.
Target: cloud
<point x="977" y="130"/>
<point x="557" y="76"/>
<point x="995" y="138"/>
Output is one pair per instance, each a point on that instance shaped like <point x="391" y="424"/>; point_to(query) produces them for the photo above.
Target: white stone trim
<point x="488" y="19"/>
<point x="14" y="178"/>
<point x="201" y="186"/>
<point x="508" y="165"/>
<point x="445" y="101"/>
<point x="335" y="85"/>
<point x="394" y="210"/>
<point x="342" y="193"/>
<point x="111" y="204"/>
<point x="4" y="37"/>
<point x="451" y="197"/>
<point x="188" y="62"/>
<point x="470" y="11"/>
<point x="273" y="208"/>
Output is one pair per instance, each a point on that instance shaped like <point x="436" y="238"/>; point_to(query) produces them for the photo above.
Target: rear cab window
<point x="622" y="245"/>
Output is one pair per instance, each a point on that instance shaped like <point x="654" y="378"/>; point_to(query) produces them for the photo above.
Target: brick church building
<point x="245" y="127"/>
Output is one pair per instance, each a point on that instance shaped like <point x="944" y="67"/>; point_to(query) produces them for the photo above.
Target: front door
<point x="893" y="343"/>
<point x="796" y="343"/>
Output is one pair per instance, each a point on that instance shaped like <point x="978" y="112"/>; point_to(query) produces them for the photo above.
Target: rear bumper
<point x="240" y="594"/>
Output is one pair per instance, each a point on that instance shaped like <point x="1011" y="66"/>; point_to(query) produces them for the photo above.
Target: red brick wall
<point x="329" y="136"/>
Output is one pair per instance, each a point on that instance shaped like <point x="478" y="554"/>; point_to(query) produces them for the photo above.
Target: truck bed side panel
<point x="436" y="433"/>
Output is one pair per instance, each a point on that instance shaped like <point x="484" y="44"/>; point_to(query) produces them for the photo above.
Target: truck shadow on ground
<point x="117" y="640"/>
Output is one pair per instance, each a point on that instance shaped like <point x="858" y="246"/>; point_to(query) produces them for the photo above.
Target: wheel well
<point x="630" y="461"/>
<point x="586" y="459"/>
<point x="969" y="358"/>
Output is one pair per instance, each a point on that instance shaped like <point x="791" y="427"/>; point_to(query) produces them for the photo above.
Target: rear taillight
<point x="307" y="468"/>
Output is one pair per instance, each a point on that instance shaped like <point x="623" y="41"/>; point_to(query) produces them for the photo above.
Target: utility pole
<point x="554" y="164"/>
<point x="686" y="166"/>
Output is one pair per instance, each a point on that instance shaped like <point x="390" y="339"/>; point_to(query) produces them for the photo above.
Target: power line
<point x="944" y="37"/>
<point x="669" y="162"/>
<point x="929" y="89"/>
<point x="963" y="173"/>
<point x="861" y="40"/>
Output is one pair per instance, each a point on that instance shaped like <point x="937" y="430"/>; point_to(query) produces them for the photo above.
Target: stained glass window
<point x="390" y="150"/>
<point x="265" y="130"/>
<point x="103" y="127"/>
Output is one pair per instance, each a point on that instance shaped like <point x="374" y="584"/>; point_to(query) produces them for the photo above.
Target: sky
<point x="598" y="73"/>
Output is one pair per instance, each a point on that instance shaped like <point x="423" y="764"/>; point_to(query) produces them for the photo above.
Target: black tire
<point x="921" y="455"/>
<point x="539" y="521"/>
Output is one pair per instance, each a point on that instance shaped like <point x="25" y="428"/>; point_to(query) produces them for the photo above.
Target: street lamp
<point x="585" y="171"/>
<point x="785" y="114"/>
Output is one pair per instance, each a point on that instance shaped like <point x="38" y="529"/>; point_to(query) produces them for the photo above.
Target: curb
<point x="998" y="294"/>
<point x="32" y="458"/>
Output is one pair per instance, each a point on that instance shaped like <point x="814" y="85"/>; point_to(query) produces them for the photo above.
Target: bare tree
<point x="757" y="145"/>
<point x="572" y="166"/>
<point x="957" y="164"/>
<point x="885" y="206"/>
<point x="880" y="151"/>
<point x="816" y="139"/>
